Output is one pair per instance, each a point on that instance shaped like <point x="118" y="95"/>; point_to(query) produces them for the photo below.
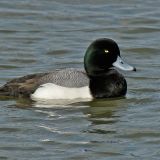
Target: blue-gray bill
<point x="119" y="63"/>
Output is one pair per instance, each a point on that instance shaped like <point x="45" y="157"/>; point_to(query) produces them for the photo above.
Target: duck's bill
<point x="119" y="63"/>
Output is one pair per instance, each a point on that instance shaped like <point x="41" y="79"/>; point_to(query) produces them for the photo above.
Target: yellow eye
<point x="106" y="51"/>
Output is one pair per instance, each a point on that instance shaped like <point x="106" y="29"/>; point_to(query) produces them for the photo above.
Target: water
<point x="39" y="36"/>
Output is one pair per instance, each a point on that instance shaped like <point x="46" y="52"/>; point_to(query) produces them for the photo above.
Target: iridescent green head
<point x="103" y="54"/>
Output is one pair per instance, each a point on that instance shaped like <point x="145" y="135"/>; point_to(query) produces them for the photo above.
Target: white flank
<point x="52" y="91"/>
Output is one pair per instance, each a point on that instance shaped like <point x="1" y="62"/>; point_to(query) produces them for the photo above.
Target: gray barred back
<point x="69" y="77"/>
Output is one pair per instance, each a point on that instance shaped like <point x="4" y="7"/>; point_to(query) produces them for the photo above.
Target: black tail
<point x="4" y="91"/>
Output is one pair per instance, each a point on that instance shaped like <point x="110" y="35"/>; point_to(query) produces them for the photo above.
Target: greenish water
<point x="37" y="36"/>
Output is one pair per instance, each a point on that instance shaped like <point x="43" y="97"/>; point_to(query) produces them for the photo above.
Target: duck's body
<point x="98" y="80"/>
<point x="68" y="83"/>
<point x="27" y="85"/>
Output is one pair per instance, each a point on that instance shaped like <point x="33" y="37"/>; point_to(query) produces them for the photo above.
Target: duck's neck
<point x="96" y="72"/>
<point x="94" y="64"/>
<point x="93" y="70"/>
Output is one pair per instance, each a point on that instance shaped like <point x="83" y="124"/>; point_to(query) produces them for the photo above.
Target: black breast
<point x="110" y="84"/>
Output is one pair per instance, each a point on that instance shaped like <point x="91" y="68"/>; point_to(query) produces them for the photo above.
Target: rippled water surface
<point x="41" y="35"/>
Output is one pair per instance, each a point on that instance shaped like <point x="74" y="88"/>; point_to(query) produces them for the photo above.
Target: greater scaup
<point x="98" y="80"/>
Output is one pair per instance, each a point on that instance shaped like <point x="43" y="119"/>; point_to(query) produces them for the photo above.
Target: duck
<point x="98" y="79"/>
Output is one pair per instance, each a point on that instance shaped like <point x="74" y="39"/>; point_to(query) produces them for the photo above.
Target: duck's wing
<point x="21" y="87"/>
<point x="69" y="77"/>
<point x="24" y="86"/>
